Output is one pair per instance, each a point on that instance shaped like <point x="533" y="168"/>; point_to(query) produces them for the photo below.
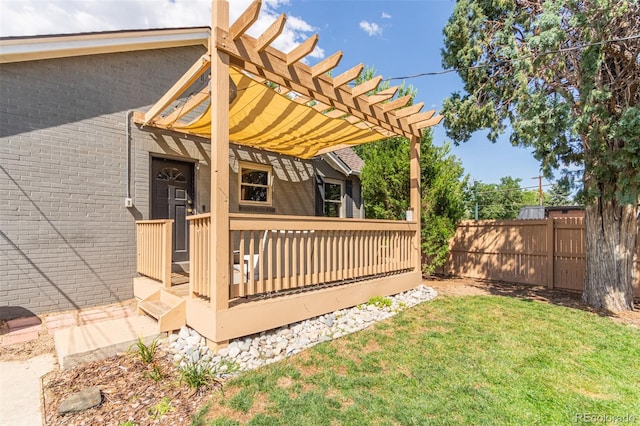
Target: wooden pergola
<point x="320" y="114"/>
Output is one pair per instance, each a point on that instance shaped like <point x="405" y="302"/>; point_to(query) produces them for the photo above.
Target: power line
<point x="492" y="191"/>
<point x="487" y="64"/>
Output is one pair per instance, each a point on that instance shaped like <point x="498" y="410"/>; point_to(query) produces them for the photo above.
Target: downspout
<point x="128" y="201"/>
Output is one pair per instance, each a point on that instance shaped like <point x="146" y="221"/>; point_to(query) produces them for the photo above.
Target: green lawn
<point x="463" y="360"/>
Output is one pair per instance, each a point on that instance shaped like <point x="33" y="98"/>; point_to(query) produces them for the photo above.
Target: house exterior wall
<point x="67" y="239"/>
<point x="326" y="171"/>
<point x="293" y="182"/>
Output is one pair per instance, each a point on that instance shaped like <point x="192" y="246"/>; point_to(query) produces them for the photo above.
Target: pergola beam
<point x="382" y="95"/>
<point x="366" y="86"/>
<point x="270" y="34"/>
<point x="410" y="110"/>
<point x="191" y="104"/>
<point x="348" y="76"/>
<point x="246" y="20"/>
<point x="434" y="121"/>
<point x="415" y="118"/>
<point x="326" y="65"/>
<point x="303" y="49"/>
<point x="196" y="70"/>
<point x="396" y="103"/>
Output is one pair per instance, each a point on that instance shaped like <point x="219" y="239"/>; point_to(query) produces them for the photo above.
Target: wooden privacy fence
<point x="271" y="254"/>
<point x="547" y="252"/>
<point x="154" y="246"/>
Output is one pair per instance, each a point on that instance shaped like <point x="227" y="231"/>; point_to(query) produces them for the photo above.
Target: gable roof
<point x="351" y="159"/>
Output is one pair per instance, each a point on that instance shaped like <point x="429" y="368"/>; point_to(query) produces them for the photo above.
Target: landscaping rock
<point x="272" y="346"/>
<point x="80" y="401"/>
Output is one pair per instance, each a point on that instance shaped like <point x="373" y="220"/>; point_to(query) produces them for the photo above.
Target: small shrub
<point x="380" y="302"/>
<point x="129" y="423"/>
<point x="146" y="352"/>
<point x="198" y="374"/>
<point x="155" y="373"/>
<point x="161" y="408"/>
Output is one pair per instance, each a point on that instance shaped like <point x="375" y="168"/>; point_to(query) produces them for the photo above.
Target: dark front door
<point x="172" y="198"/>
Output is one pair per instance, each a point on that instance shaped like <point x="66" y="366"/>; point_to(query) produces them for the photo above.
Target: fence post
<point x="551" y="243"/>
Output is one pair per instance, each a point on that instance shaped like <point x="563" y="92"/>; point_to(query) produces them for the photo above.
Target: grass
<point x="465" y="360"/>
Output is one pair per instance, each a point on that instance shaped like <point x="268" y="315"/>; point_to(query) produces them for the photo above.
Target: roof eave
<point x="334" y="161"/>
<point x="21" y="49"/>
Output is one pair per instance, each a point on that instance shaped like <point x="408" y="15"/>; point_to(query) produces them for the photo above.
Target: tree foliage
<point x="559" y="194"/>
<point x="564" y="78"/>
<point x="500" y="201"/>
<point x="385" y="188"/>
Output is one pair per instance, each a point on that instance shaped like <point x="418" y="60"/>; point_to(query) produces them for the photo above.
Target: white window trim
<point x="343" y="207"/>
<point x="261" y="167"/>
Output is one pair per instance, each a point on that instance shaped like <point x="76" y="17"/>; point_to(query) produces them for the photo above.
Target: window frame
<point x="341" y="183"/>
<point x="256" y="167"/>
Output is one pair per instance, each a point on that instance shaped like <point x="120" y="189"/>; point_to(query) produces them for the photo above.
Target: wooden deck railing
<point x="154" y="247"/>
<point x="199" y="262"/>
<point x="275" y="253"/>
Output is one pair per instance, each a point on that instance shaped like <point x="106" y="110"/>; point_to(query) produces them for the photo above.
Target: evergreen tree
<point x="564" y="78"/>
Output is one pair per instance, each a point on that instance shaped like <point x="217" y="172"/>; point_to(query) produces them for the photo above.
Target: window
<point x="255" y="184"/>
<point x="171" y="173"/>
<point x="333" y="194"/>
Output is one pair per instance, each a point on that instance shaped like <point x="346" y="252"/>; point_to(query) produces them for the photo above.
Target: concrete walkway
<point x="80" y="336"/>
<point x="20" y="390"/>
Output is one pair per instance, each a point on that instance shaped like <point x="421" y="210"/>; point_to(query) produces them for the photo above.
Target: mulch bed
<point x="128" y="393"/>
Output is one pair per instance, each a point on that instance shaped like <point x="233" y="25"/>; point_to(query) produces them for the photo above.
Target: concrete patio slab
<point x="93" y="342"/>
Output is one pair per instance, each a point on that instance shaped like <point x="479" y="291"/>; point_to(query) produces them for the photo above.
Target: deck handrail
<point x="154" y="249"/>
<point x="275" y="253"/>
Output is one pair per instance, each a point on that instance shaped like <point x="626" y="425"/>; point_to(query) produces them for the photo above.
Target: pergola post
<point x="414" y="175"/>
<point x="219" y="85"/>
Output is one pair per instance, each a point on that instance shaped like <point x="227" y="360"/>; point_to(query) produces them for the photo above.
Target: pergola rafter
<point x="311" y="86"/>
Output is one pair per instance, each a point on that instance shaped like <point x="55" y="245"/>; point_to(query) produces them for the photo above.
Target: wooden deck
<point x="180" y="290"/>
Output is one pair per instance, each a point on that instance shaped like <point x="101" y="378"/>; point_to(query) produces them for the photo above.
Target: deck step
<point x="155" y="308"/>
<point x="169" y="310"/>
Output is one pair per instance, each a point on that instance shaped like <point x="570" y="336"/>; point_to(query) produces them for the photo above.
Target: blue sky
<point x="397" y="37"/>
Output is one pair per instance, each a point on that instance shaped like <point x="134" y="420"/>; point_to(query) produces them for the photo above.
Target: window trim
<point x="258" y="167"/>
<point x="343" y="212"/>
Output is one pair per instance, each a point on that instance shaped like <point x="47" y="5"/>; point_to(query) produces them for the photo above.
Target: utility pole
<point x="539" y="177"/>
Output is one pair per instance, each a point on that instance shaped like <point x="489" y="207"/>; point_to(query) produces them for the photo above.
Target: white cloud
<point x="37" y="17"/>
<point x="385" y="15"/>
<point x="371" y="28"/>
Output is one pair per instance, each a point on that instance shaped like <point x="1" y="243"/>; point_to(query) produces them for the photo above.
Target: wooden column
<point x="414" y="175"/>
<point x="219" y="85"/>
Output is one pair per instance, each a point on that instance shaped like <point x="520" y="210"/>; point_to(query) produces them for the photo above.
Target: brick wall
<point x="66" y="239"/>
